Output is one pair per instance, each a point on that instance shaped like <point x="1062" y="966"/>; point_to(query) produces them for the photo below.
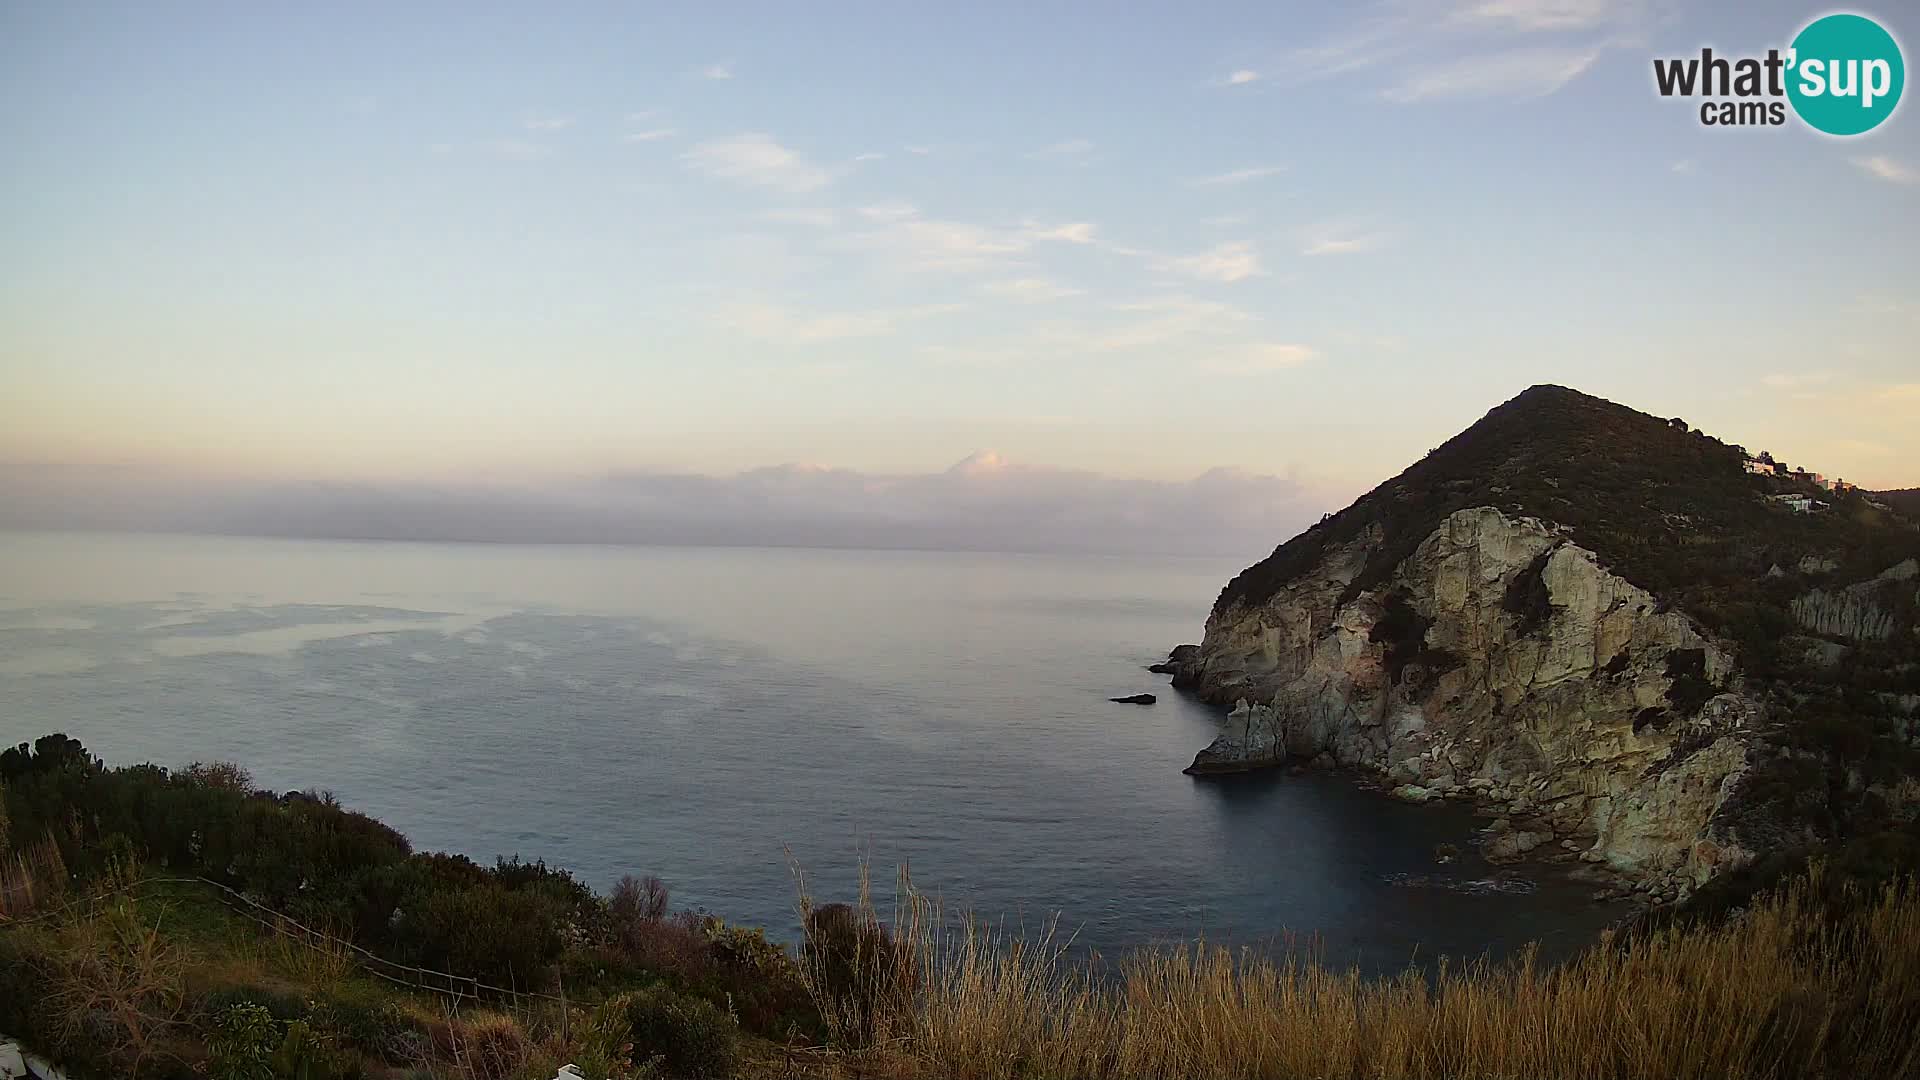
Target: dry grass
<point x="113" y="987"/>
<point x="318" y="960"/>
<point x="1783" y="991"/>
<point x="32" y="878"/>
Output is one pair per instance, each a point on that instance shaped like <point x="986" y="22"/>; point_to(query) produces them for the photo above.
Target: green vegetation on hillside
<point x="1668" y="508"/>
<point x="515" y="936"/>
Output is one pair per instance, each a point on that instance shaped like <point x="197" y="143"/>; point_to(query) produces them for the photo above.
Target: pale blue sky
<point x="426" y="241"/>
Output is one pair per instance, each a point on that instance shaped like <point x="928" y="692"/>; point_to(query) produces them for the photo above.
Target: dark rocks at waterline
<point x="1134" y="699"/>
<point x="1251" y="737"/>
<point x="1183" y="663"/>
<point x="1181" y="655"/>
<point x="1202" y="766"/>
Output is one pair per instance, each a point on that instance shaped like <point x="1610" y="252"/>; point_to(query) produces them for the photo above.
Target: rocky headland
<point x="1576" y="615"/>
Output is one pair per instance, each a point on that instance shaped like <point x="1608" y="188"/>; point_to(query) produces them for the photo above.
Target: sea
<point x="730" y="719"/>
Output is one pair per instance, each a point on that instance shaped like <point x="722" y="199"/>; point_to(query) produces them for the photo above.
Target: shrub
<point x="687" y="1036"/>
<point x="379" y="1029"/>
<point x="857" y="973"/>
<point x="637" y="900"/>
<point x="761" y="981"/>
<point x="675" y="946"/>
<point x="114" y="989"/>
<point x="499" y="936"/>
<point x="220" y="775"/>
<point x="280" y="1005"/>
<point x="306" y="1055"/>
<point x="242" y="1043"/>
<point x="490" y="1047"/>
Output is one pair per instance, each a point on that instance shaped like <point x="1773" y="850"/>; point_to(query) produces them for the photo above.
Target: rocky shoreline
<point x="1526" y="816"/>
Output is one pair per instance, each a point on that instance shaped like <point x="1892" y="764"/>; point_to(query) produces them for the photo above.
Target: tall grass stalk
<point x="1788" y="989"/>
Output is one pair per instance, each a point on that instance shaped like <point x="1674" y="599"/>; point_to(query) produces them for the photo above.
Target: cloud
<point x="922" y="243"/>
<point x="1885" y="168"/>
<point x="1685" y="167"/>
<point x="653" y="135"/>
<point x="1030" y="290"/>
<point x="1334" y="238"/>
<point x="1349" y="245"/>
<point x="983" y="502"/>
<point x="1079" y="232"/>
<point x="1545" y="15"/>
<point x="1242" y="77"/>
<point x="757" y="160"/>
<point x="1520" y="73"/>
<point x="780" y="325"/>
<point x="723" y="70"/>
<point x="1239" y="176"/>
<point x="1226" y="263"/>
<point x="895" y="210"/>
<point x="1259" y="359"/>
<point x="871" y="155"/>
<point x="1796" y="380"/>
<point x="1451" y="49"/>
<point x="535" y="121"/>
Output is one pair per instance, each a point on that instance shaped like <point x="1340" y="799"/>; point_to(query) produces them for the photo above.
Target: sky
<point x="894" y="266"/>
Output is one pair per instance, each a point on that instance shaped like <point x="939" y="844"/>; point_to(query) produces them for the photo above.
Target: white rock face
<point x="1563" y="715"/>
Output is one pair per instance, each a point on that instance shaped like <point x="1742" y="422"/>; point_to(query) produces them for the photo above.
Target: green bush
<point x="686" y="1036"/>
<point x="305" y="1055"/>
<point x="761" y="981"/>
<point x="242" y="1043"/>
<point x="279" y="1005"/>
<point x="378" y="1029"/>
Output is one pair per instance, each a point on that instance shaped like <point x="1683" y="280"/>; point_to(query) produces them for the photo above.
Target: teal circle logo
<point x="1845" y="74"/>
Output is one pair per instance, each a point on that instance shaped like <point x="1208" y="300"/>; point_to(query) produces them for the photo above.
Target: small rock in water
<point x="1476" y="887"/>
<point x="1445" y="853"/>
<point x="1412" y="793"/>
<point x="1135" y="699"/>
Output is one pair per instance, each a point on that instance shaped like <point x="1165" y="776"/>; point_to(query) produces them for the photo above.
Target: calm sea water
<point x="700" y="713"/>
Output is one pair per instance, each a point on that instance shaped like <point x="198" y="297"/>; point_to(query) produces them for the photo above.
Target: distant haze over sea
<point x="984" y="503"/>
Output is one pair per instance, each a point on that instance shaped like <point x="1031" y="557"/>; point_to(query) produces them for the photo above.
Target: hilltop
<point x="1667" y="507"/>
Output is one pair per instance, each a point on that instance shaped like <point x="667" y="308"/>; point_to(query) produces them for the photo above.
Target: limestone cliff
<point x="1481" y="651"/>
<point x="1572" y="716"/>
